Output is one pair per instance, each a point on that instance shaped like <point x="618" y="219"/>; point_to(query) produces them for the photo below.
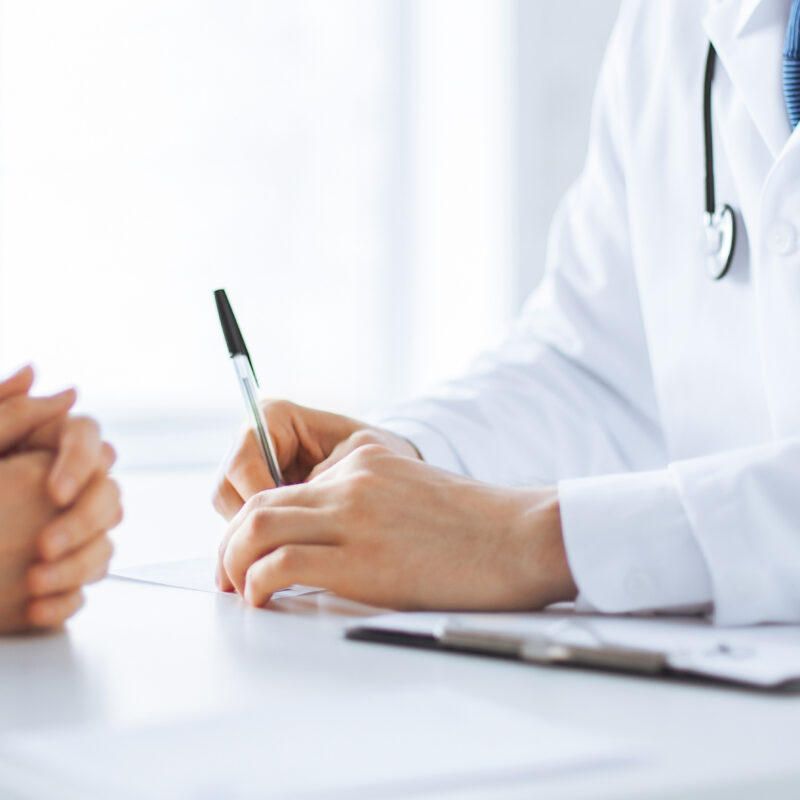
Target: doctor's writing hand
<point x="395" y="532"/>
<point x="307" y="442"/>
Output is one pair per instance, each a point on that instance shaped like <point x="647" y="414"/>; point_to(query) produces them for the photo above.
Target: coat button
<point x="782" y="238"/>
<point x="639" y="586"/>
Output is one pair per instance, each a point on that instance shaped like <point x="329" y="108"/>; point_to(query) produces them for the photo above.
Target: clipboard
<point x="768" y="657"/>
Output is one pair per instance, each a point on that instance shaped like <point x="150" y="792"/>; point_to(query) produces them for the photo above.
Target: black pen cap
<point x="230" y="328"/>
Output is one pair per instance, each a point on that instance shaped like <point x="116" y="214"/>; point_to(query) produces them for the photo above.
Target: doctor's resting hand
<point x="57" y="504"/>
<point x="364" y="516"/>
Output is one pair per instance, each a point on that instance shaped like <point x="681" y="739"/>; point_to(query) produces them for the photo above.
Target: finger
<point x="87" y="564"/>
<point x="248" y="473"/>
<point x="266" y="529"/>
<point x="223" y="582"/>
<point x="108" y="456"/>
<point x="285" y="495"/>
<point x="19" y="383"/>
<point x="226" y="500"/>
<point x="359" y="438"/>
<point x="21" y="415"/>
<point x="97" y="509"/>
<point x="53" y="611"/>
<point x="312" y="565"/>
<point x="337" y="455"/>
<point x="78" y="459"/>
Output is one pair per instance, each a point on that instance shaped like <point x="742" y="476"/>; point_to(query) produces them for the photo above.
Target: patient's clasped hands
<point x="365" y="517"/>
<point x="57" y="504"/>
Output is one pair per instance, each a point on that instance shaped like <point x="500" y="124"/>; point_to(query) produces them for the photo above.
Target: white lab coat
<point x="666" y="405"/>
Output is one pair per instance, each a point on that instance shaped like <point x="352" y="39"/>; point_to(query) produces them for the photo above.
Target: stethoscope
<point x="719" y="223"/>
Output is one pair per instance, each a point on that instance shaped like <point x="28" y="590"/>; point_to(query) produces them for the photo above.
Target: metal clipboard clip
<point x="549" y="650"/>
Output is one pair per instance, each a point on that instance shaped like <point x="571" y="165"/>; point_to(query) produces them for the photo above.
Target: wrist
<point x="545" y="557"/>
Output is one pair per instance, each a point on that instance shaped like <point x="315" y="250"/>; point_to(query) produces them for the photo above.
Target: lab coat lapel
<point x="748" y="37"/>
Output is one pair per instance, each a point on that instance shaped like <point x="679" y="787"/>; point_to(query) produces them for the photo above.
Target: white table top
<point x="143" y="653"/>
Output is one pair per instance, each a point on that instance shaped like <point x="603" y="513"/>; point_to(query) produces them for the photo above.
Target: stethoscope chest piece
<point x="718" y="221"/>
<point x="720" y="236"/>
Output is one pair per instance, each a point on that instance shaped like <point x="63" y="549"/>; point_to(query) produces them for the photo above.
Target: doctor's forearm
<point x="549" y="564"/>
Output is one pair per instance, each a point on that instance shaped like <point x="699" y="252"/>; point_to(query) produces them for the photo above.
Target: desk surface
<point x="142" y="652"/>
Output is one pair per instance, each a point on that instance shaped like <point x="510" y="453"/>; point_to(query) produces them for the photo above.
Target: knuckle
<point x="247" y="473"/>
<point x="368" y="453"/>
<point x="278" y="407"/>
<point x="252" y="473"/>
<point x="257" y="523"/>
<point x="109" y="454"/>
<point x="229" y="561"/>
<point x="287" y="558"/>
<point x="83" y="427"/>
<point x="81" y="440"/>
<point x="113" y="491"/>
<point x="251" y="505"/>
<point x="254" y="577"/>
<point x="108" y="551"/>
<point x="218" y="503"/>
<point x="362" y="438"/>
<point x="83" y="565"/>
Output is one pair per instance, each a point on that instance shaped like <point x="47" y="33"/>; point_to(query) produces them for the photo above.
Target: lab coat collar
<point x="748" y="37"/>
<point x="747" y="11"/>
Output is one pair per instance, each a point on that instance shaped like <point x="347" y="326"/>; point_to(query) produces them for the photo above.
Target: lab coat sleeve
<point x="629" y="537"/>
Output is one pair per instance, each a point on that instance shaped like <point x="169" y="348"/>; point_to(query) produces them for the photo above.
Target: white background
<point x="370" y="180"/>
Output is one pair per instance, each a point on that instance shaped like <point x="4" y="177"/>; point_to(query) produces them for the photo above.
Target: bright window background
<point x="371" y="180"/>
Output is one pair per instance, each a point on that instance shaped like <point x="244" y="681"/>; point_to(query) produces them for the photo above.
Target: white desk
<point x="140" y="652"/>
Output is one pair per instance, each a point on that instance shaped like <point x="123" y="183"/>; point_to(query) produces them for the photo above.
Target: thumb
<point x="19" y="383"/>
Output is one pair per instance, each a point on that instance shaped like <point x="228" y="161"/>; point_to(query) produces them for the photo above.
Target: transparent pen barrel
<point x="247" y="382"/>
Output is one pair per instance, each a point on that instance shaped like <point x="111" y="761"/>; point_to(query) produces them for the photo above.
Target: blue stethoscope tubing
<point x="719" y="222"/>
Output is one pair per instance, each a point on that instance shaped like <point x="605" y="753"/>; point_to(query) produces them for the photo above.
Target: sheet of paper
<point x="370" y="745"/>
<point x="765" y="655"/>
<point x="191" y="573"/>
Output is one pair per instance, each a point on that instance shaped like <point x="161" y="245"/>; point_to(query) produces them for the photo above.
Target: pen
<point x="248" y="382"/>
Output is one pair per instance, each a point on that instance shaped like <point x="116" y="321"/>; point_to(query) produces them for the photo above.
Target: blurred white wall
<point x="559" y="49"/>
<point x="371" y="180"/>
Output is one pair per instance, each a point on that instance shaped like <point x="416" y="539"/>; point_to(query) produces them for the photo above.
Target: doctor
<point x="635" y="442"/>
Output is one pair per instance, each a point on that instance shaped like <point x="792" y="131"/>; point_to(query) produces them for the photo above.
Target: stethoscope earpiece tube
<point x="719" y="224"/>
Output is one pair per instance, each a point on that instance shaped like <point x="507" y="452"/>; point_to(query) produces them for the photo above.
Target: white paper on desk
<point x="191" y="573"/>
<point x="764" y="655"/>
<point x="369" y="745"/>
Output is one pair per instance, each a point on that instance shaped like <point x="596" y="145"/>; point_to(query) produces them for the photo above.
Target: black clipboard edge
<point x="430" y="642"/>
